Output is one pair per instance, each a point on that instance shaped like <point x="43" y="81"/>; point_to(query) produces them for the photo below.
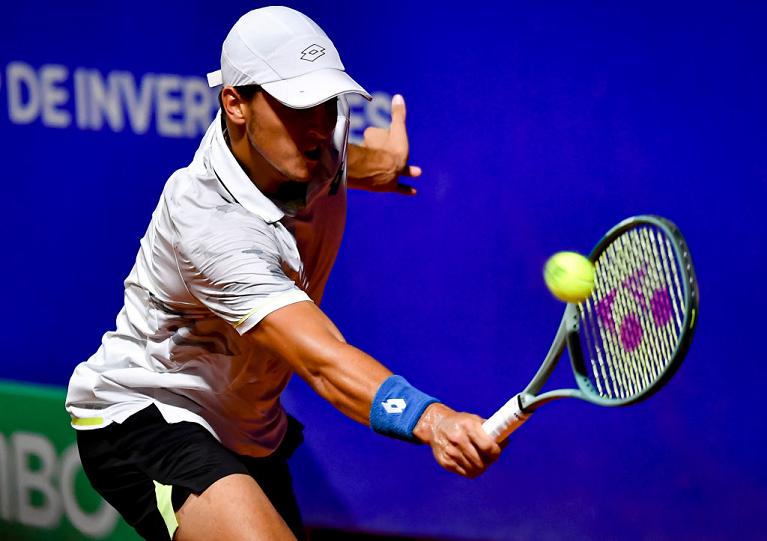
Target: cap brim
<point x="313" y="88"/>
<point x="215" y="78"/>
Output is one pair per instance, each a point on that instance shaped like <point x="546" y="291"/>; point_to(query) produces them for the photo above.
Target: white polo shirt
<point x="217" y="257"/>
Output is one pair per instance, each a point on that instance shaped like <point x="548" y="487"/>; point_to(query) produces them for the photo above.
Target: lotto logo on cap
<point x="287" y="54"/>
<point x="312" y="52"/>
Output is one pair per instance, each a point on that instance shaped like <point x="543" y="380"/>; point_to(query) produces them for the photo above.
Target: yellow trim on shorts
<point x="87" y="421"/>
<point x="165" y="506"/>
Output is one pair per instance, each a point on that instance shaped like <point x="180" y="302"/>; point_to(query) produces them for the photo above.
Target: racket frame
<point x="690" y="295"/>
<point x="517" y="410"/>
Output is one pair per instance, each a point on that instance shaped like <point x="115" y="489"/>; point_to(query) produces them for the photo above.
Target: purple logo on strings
<point x="631" y="332"/>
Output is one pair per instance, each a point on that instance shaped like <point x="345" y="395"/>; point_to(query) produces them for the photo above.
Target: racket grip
<point x="506" y="420"/>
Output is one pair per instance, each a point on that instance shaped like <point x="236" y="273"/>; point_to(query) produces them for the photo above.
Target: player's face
<point x="295" y="143"/>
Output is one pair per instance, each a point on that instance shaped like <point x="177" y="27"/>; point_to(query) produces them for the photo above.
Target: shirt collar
<point x="236" y="181"/>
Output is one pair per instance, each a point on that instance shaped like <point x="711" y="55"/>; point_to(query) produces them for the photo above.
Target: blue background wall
<point x="538" y="127"/>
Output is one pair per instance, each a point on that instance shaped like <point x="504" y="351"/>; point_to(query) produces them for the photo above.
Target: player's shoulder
<point x="201" y="213"/>
<point x="192" y="187"/>
<point x="228" y="233"/>
<point x="195" y="192"/>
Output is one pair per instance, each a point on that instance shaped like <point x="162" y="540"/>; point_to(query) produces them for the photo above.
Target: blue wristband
<point x="396" y="408"/>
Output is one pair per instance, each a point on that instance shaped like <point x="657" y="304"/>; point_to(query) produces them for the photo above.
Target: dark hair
<point x="246" y="92"/>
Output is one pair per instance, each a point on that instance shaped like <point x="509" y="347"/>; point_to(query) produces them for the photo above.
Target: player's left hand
<point x="386" y="153"/>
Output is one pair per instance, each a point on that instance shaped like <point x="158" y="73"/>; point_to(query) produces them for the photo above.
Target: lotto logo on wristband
<point x="402" y="404"/>
<point x="394" y="405"/>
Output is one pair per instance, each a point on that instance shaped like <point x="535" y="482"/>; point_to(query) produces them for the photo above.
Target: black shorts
<point x="124" y="462"/>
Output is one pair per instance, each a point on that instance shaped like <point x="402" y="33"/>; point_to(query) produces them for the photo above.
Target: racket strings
<point x="626" y="383"/>
<point x="631" y="324"/>
<point x="622" y="381"/>
<point x="665" y="336"/>
<point x="627" y="327"/>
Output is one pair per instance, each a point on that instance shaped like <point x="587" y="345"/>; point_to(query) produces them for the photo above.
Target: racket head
<point x="636" y="327"/>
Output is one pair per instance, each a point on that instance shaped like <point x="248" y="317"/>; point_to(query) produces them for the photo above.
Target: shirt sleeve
<point x="236" y="269"/>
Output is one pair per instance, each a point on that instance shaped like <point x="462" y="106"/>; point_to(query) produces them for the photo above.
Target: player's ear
<point x="233" y="105"/>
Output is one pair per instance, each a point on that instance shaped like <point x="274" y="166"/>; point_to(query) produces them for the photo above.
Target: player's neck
<point x="259" y="171"/>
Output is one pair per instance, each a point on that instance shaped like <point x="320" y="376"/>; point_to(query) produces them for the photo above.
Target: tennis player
<point x="178" y="415"/>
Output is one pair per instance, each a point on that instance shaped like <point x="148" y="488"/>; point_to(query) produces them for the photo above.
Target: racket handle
<point x="506" y="420"/>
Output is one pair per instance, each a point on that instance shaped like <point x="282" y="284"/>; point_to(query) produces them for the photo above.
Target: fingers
<point x="463" y="447"/>
<point x="470" y="460"/>
<point x="411" y="171"/>
<point x="376" y="137"/>
<point x="478" y="448"/>
<point x="484" y="443"/>
<point x="454" y="462"/>
<point x="398" y="113"/>
<point x="397" y="130"/>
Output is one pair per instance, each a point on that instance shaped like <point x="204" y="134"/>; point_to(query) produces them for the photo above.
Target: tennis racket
<point x="629" y="337"/>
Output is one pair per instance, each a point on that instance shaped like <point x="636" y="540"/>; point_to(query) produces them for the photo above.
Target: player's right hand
<point x="457" y="440"/>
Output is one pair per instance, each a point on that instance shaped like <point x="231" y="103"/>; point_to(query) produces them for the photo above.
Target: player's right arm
<point x="301" y="335"/>
<point x="232" y="262"/>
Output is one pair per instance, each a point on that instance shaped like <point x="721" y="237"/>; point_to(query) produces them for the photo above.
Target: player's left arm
<point x="381" y="160"/>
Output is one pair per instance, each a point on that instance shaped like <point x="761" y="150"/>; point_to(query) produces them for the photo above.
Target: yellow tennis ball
<point x="569" y="276"/>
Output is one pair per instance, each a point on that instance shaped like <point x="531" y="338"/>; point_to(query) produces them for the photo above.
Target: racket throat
<point x="507" y="419"/>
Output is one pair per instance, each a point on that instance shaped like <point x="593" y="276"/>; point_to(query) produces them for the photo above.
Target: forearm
<point x="304" y="338"/>
<point x="348" y="381"/>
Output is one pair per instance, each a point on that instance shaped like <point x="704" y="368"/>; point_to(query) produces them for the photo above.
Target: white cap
<point x="287" y="54"/>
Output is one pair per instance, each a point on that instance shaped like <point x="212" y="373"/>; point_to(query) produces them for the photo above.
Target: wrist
<point x="397" y="408"/>
<point x="431" y="417"/>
